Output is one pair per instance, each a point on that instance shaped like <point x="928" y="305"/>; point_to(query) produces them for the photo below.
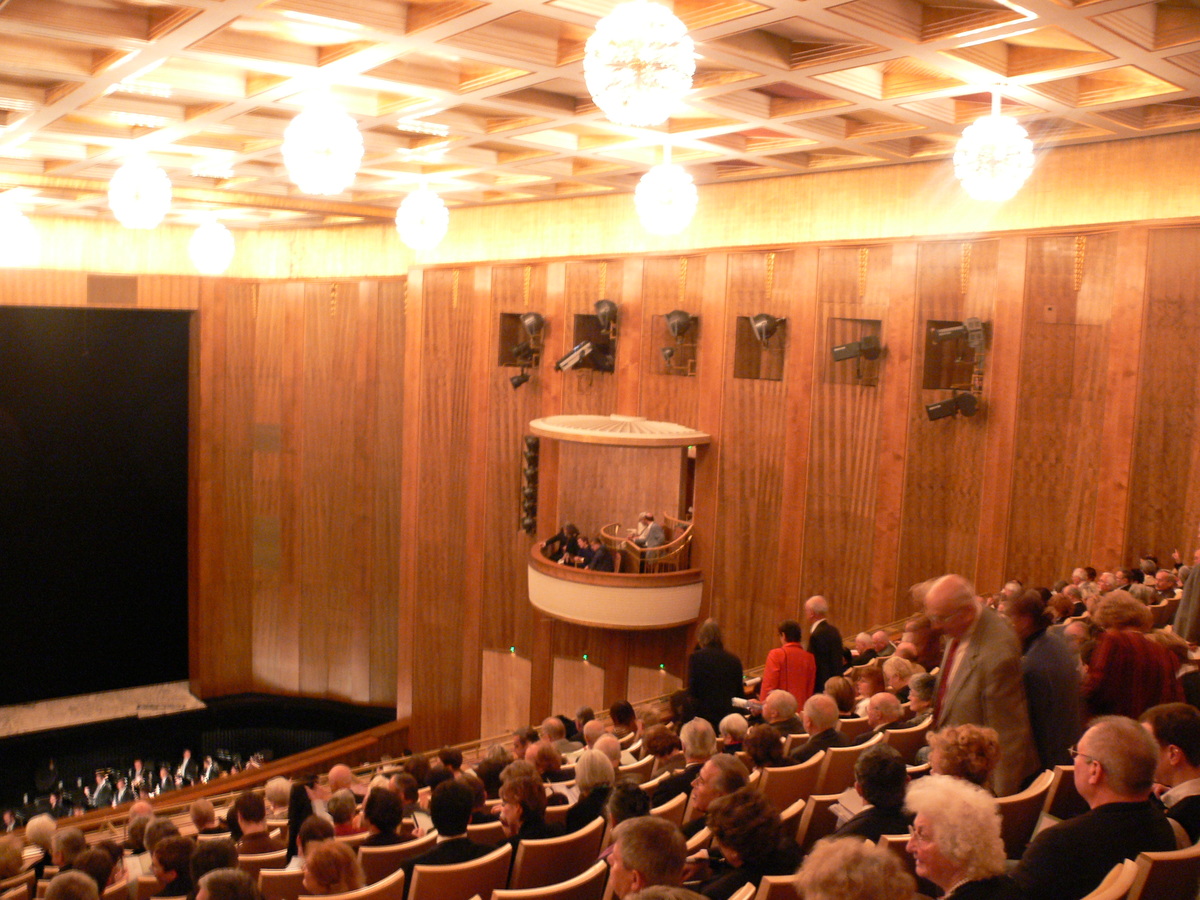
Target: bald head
<point x="141" y="808"/>
<point x="340" y="778"/>
<point x="816" y="607"/>
<point x="820" y="713"/>
<point x="882" y="709"/>
<point x="950" y="605"/>
<point x="593" y="729"/>
<point x="553" y="729"/>
<point x="610" y="747"/>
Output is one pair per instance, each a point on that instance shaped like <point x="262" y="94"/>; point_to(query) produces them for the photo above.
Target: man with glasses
<point x="980" y="678"/>
<point x="1114" y="772"/>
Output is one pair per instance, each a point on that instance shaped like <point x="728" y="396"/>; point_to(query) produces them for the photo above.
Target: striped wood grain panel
<point x="669" y="283"/>
<point x="504" y="547"/>
<point x="1063" y="390"/>
<point x="1165" y="482"/>
<point x="168" y="291"/>
<point x="505" y="694"/>
<point x="42" y="287"/>
<point x="744" y="576"/>
<point x="943" y="472"/>
<point x="584" y="391"/>
<point x="599" y="484"/>
<point x="843" y="455"/>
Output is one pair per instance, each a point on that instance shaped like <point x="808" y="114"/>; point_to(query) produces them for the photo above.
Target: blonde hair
<point x="853" y="869"/>
<point x="333" y="866"/>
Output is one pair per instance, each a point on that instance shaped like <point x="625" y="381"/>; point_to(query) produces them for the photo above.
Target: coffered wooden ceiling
<point x="486" y="98"/>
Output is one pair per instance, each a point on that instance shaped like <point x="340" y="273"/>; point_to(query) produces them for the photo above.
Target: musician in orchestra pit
<point x="187" y="768"/>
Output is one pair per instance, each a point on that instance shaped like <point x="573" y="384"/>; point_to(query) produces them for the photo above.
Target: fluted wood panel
<point x="853" y="284"/>
<point x="944" y="459"/>
<point x="744" y="583"/>
<point x="669" y="283"/>
<point x="1056" y="493"/>
<point x="1165" y="483"/>
<point x="600" y="484"/>
<point x="585" y="391"/>
<point x="43" y="287"/>
<point x="505" y="699"/>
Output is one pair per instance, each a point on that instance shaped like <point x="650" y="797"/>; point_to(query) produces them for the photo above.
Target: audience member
<point x="626" y="801"/>
<point x="646" y="851"/>
<point x="173" y="866"/>
<point x="1114" y="772"/>
<point x="897" y="672"/>
<point x="920" y="700"/>
<point x="965" y="751"/>
<point x="314" y="828"/>
<point x="880" y="778"/>
<point x="714" y="675"/>
<point x="824" y="641"/>
<point x="719" y="777"/>
<point x="1127" y="673"/>
<point x="864" y="650"/>
<point x="980" y="679"/>
<point x="820" y="718"/>
<point x="624" y="719"/>
<point x="221" y="853"/>
<point x="98" y="866"/>
<point x="227" y="884"/>
<point x="342" y="811"/>
<point x="204" y="817"/>
<point x="699" y="744"/>
<point x="330" y="867"/>
<point x="764" y="746"/>
<point x="883" y="712"/>
<point x="450" y="808"/>
<point x="747" y="832"/>
<point x="65" y="846"/>
<point x="555" y="732"/>
<point x="841" y="689"/>
<point x="852" y="869"/>
<point x="39" y="832"/>
<point x="956" y="839"/>
<point x="779" y="711"/>
<point x="523" y="810"/>
<point x="732" y="732"/>
<point x="382" y="813"/>
<point x="277" y="793"/>
<point x="251" y="813"/>
<point x="594" y="777"/>
<point x="72" y="886"/>
<point x="789" y="666"/>
<point x="1175" y="727"/>
<point x="664" y="745"/>
<point x="868" y="681"/>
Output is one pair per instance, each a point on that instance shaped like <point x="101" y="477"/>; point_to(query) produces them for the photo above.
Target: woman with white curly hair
<point x="956" y="839"/>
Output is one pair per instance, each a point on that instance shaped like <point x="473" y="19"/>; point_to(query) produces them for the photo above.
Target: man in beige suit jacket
<point x="980" y="679"/>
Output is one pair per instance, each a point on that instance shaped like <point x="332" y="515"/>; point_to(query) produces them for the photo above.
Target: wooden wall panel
<point x="1063" y="389"/>
<point x="585" y="391"/>
<point x="669" y="283"/>
<point x="1165" y="481"/>
<point x="599" y="484"/>
<point x="505" y="700"/>
<point x="577" y="682"/>
<point x="42" y="287"/>
<point x="944" y="460"/>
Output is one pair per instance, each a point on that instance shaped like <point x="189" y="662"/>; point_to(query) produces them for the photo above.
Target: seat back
<point x="588" y="885"/>
<point x="672" y="810"/>
<point x="792" y="742"/>
<point x="699" y="841"/>
<point x="380" y="862"/>
<point x="817" y="820"/>
<point x="638" y="771"/>
<point x="1019" y="814"/>
<point x="837" y="771"/>
<point x="390" y="888"/>
<point x="777" y="887"/>
<point x="27" y="878"/>
<point x="118" y="890"/>
<point x="898" y="844"/>
<point x="253" y="863"/>
<point x="146" y="887"/>
<point x="790" y="819"/>
<point x="1116" y="883"/>
<point x="784" y="785"/>
<point x="353" y="841"/>
<point x="557" y="814"/>
<point x="539" y="863"/>
<point x="745" y="892"/>
<point x="280" y="884"/>
<point x="908" y="740"/>
<point x="852" y="728"/>
<point x="462" y="881"/>
<point x="1063" y="800"/>
<point x="489" y="833"/>
<point x="20" y="892"/>
<point x="1169" y="875"/>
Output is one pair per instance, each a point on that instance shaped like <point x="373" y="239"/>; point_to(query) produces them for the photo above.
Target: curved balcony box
<point x="622" y="601"/>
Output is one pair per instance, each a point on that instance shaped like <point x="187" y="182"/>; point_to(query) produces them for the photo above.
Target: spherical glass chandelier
<point x="639" y="63"/>
<point x="665" y="198"/>
<point x="139" y="194"/>
<point x="994" y="156"/>
<point x="211" y="248"/>
<point x="322" y="147"/>
<point x="20" y="246"/>
<point x="422" y="219"/>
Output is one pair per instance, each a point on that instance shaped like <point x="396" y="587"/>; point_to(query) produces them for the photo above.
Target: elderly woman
<point x="764" y="746"/>
<point x="330" y="867"/>
<point x="868" y="682"/>
<point x="897" y="672"/>
<point x="39" y="831"/>
<point x="594" y="777"/>
<point x="841" y="689"/>
<point x="733" y="732"/>
<point x="956" y="839"/>
<point x="747" y="832"/>
<point x="523" y="810"/>
<point x="968" y="752"/>
<point x="853" y="869"/>
<point x="1127" y="672"/>
<point x="664" y="745"/>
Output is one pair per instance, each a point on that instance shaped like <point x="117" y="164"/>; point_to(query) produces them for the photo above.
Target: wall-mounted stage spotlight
<point x="679" y="322"/>
<point x="971" y="329"/>
<point x="765" y="326"/>
<point x="965" y="403"/>
<point x="868" y="347"/>
<point x="575" y="356"/>
<point x="606" y="312"/>
<point x="529" y="476"/>
<point x="533" y="323"/>
<point x="668" y="354"/>
<point x="517" y="380"/>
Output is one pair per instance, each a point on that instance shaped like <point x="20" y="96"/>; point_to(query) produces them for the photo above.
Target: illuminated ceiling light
<point x="211" y="248"/>
<point x="322" y="147"/>
<point x="19" y="241"/>
<point x="415" y="126"/>
<point x="139" y="194"/>
<point x="422" y="219"/>
<point x="639" y="63"/>
<point x="994" y="156"/>
<point x="665" y="197"/>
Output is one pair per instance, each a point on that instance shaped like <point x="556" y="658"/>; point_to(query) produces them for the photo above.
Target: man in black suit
<point x="820" y="723"/>
<point x="880" y="777"/>
<point x="102" y="794"/>
<point x="824" y="641"/>
<point x="601" y="559"/>
<point x="124" y="791"/>
<point x="450" y="808"/>
<point x="187" y="768"/>
<point x="1176" y="729"/>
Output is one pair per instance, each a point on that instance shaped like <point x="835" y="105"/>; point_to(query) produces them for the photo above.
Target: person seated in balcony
<point x="602" y="558"/>
<point x="648" y="533"/>
<point x="564" y="546"/>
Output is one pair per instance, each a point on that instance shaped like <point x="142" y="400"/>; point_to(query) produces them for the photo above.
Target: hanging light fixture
<point x="322" y="147"/>
<point x="665" y="197"/>
<point x="422" y="219"/>
<point x="211" y="248"/>
<point x="139" y="194"/>
<point x="20" y="245"/>
<point x="639" y="63"/>
<point x="994" y="156"/>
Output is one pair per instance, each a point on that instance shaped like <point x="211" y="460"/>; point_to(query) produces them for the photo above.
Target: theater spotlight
<point x="679" y="322"/>
<point x="868" y="348"/>
<point x="764" y="327"/>
<point x="667" y="354"/>
<point x="532" y="441"/>
<point x="517" y="380"/>
<point x="574" y="356"/>
<point x="533" y="323"/>
<point x="965" y="403"/>
<point x="606" y="312"/>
